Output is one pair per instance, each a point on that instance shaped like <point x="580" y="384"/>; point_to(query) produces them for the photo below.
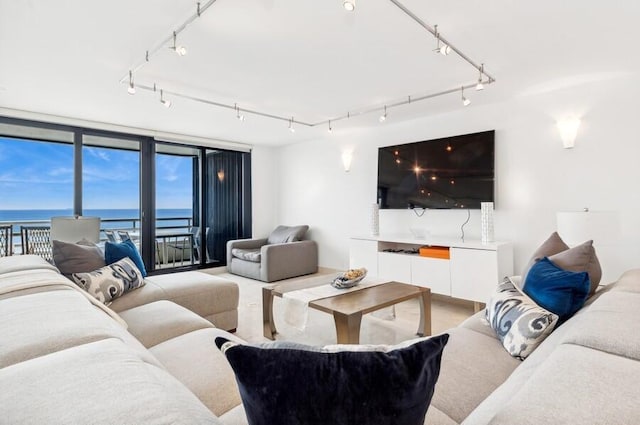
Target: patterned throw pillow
<point x="520" y="323"/>
<point x="111" y="281"/>
<point x="285" y="383"/>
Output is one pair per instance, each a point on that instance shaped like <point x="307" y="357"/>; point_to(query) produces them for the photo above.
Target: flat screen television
<point x="449" y="173"/>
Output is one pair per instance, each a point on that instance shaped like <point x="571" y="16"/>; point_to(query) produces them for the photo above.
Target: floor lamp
<point x="74" y="229"/>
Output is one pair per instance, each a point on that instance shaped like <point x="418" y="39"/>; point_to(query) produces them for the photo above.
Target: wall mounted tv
<point x="449" y="173"/>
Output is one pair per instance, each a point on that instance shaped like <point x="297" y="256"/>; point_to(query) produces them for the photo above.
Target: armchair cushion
<point x="252" y="255"/>
<point x="283" y="234"/>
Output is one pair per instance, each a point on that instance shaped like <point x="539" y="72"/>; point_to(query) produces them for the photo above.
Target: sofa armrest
<point x="281" y="261"/>
<point x="244" y="244"/>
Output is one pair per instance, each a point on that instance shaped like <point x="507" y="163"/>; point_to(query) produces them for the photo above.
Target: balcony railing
<point x="128" y="224"/>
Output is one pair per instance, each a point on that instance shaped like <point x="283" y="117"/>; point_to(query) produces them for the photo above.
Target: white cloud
<point x="98" y="153"/>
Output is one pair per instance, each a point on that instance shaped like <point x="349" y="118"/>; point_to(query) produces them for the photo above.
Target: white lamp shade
<point x="74" y="229"/>
<point x="576" y="227"/>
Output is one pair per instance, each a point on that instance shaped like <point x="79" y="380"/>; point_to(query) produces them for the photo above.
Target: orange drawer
<point x="435" y="252"/>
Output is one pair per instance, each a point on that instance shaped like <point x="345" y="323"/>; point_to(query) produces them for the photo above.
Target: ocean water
<point x="123" y="218"/>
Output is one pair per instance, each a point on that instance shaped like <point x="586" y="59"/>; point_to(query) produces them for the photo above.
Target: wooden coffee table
<point x="347" y="309"/>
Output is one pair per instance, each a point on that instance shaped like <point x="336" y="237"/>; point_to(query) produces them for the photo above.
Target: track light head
<point x="239" y="116"/>
<point x="480" y="86"/>
<point x="180" y="50"/>
<point x="444" y="50"/>
<point x="465" y="101"/>
<point x="165" y="102"/>
<point x="330" y="130"/>
<point x="349" y="5"/>
<point x="383" y="117"/>
<point x="291" y="129"/>
<point x="132" y="88"/>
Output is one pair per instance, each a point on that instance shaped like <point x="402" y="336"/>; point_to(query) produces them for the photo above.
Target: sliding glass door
<point x="176" y="184"/>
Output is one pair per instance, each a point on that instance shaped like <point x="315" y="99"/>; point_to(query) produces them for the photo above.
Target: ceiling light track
<point x="170" y="40"/>
<point x="438" y="35"/>
<point x="484" y="77"/>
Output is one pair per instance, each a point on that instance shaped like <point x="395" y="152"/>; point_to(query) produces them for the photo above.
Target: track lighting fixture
<point x="444" y="49"/>
<point x="165" y="102"/>
<point x="180" y="50"/>
<point x="480" y="86"/>
<point x="169" y="40"/>
<point x="383" y="117"/>
<point x="465" y="101"/>
<point x="131" y="89"/>
<point x="239" y="116"/>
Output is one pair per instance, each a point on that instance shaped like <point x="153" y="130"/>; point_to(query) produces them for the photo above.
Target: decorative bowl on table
<point x="349" y="279"/>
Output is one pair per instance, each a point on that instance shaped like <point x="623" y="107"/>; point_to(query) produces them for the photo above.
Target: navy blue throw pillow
<point x="286" y="383"/>
<point x="560" y="291"/>
<point x="116" y="251"/>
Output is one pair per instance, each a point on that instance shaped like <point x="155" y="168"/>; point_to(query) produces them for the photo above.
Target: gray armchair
<point x="280" y="256"/>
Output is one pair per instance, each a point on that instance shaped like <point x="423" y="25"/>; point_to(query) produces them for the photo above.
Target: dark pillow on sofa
<point x="80" y="257"/>
<point x="283" y="234"/>
<point x="285" y="383"/>
<point x="553" y="245"/>
<point x="115" y="251"/>
<point x="562" y="292"/>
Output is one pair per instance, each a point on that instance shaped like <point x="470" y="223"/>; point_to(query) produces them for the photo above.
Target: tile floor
<point x="377" y="327"/>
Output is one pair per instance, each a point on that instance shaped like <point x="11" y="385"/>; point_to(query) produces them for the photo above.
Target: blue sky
<point x="37" y="175"/>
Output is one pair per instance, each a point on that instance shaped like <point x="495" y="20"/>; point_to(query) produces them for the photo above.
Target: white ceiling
<point x="308" y="59"/>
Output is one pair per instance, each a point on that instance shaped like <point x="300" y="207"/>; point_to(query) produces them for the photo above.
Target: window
<point x="155" y="191"/>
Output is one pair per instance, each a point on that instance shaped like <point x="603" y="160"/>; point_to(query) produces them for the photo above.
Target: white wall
<point x="264" y="190"/>
<point x="535" y="175"/>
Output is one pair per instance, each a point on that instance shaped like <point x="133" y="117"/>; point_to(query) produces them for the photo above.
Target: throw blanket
<point x="296" y="303"/>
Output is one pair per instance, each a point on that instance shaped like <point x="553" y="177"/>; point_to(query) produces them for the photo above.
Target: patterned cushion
<point x="252" y="255"/>
<point x="520" y="323"/>
<point x="111" y="281"/>
<point x="286" y="383"/>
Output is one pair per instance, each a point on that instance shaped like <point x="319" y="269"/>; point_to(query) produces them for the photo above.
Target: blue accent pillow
<point x="286" y="383"/>
<point x="116" y="251"/>
<point x="560" y="291"/>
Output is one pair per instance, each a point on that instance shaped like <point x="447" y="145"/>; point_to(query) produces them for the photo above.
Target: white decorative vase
<point x="486" y="221"/>
<point x="374" y="220"/>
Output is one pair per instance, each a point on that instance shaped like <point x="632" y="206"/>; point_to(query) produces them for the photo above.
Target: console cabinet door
<point x="394" y="267"/>
<point x="431" y="273"/>
<point x="363" y="253"/>
<point x="474" y="273"/>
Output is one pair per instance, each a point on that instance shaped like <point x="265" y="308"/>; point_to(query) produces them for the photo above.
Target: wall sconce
<point x="221" y="175"/>
<point x="568" y="130"/>
<point x="347" y="156"/>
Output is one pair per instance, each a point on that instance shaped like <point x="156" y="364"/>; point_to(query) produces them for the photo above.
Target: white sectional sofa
<point x="66" y="359"/>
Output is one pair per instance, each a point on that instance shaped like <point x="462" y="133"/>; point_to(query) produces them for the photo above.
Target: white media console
<point x="471" y="272"/>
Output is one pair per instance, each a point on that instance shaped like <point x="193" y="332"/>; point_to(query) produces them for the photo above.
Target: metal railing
<point x="128" y="224"/>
